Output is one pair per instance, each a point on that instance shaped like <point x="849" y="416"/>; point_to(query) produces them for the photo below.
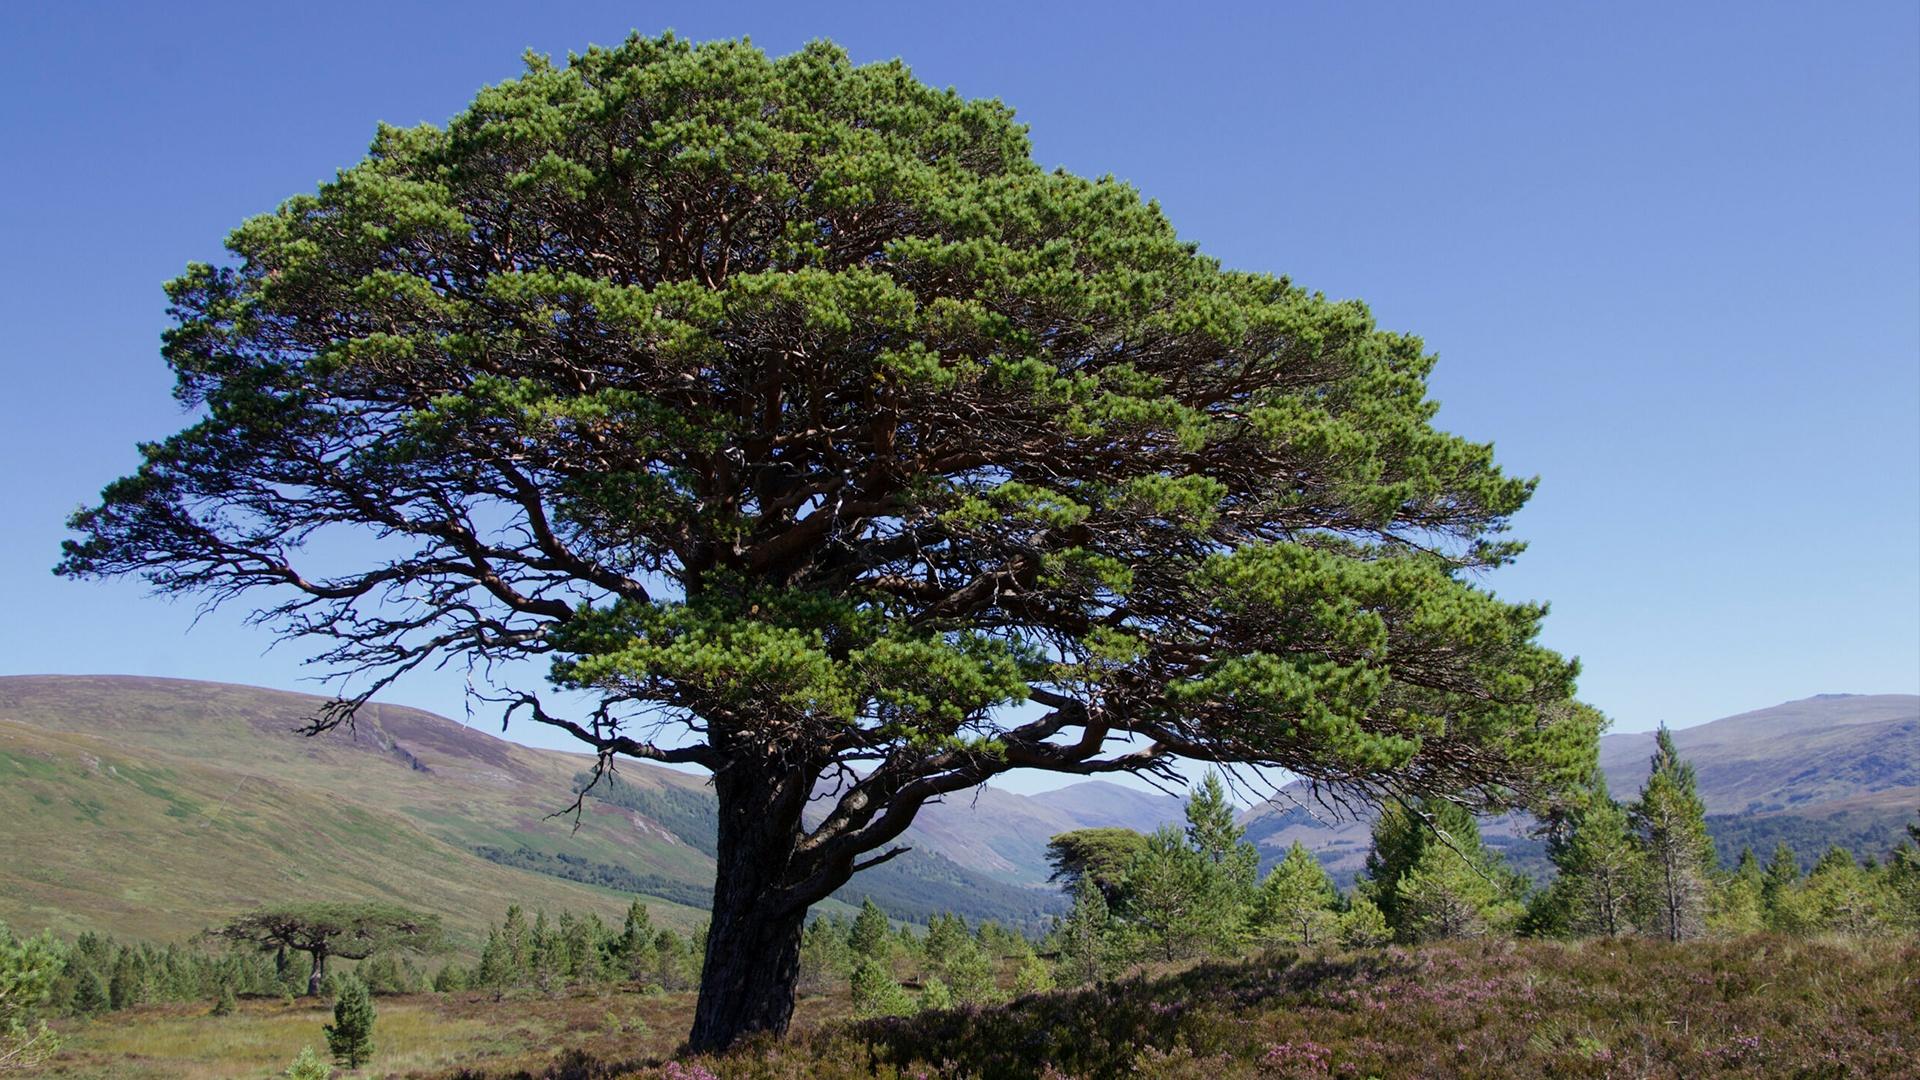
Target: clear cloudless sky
<point x="1669" y="255"/>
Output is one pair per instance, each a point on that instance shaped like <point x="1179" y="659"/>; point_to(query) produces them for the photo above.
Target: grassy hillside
<point x="147" y="844"/>
<point x="151" y="807"/>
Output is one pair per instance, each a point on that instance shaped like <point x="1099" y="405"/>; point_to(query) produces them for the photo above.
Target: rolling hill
<point x="152" y="807"/>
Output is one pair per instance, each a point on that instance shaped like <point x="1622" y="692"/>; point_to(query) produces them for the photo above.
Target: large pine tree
<point x="797" y="421"/>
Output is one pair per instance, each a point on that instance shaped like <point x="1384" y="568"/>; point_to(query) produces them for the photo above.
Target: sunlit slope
<point x="151" y="807"/>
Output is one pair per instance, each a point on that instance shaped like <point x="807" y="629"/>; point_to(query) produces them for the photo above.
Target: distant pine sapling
<point x="308" y="1065"/>
<point x="1669" y="824"/>
<point x="1738" y="906"/>
<point x="1083" y="938"/>
<point x="223" y="1002"/>
<point x="876" y="992"/>
<point x="1295" y="903"/>
<point x="350" y="1036"/>
<point x="1599" y="866"/>
<point x="872" y="935"/>
<point x="1362" y="926"/>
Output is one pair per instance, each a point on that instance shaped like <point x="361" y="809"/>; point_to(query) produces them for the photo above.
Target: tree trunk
<point x="318" y="974"/>
<point x="753" y="943"/>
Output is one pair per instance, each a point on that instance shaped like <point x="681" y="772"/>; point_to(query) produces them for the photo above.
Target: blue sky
<point x="1669" y="256"/>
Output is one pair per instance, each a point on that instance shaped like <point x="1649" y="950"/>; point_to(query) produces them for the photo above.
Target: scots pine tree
<point x="1102" y="854"/>
<point x="876" y="992"/>
<point x="350" y="1036"/>
<point x="1295" y="903"/>
<point x="794" y="399"/>
<point x="1169" y="888"/>
<point x="1083" y="937"/>
<point x="1599" y="867"/>
<point x="825" y="957"/>
<point x="327" y="930"/>
<point x="871" y="936"/>
<point x="1670" y="829"/>
<point x="1362" y="926"/>
<point x="1737" y="905"/>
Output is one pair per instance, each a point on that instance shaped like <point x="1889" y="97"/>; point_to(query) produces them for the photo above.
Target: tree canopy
<point x="324" y="930"/>
<point x="801" y="421"/>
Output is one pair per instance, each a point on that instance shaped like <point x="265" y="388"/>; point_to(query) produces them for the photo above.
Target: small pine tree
<point x="1082" y="937"/>
<point x="546" y="964"/>
<point x="1737" y="907"/>
<point x="1599" y="867"/>
<point x="517" y="939"/>
<point x="636" y="936"/>
<point x="1295" y="903"/>
<point x="1676" y="854"/>
<point x="1362" y="926"/>
<point x="1033" y="976"/>
<point x="871" y="936"/>
<point x="308" y="1066"/>
<point x="825" y="958"/>
<point x="875" y="992"/>
<point x="450" y="979"/>
<point x="934" y="994"/>
<point x="946" y="935"/>
<point x="91" y="996"/>
<point x="224" y="1004"/>
<point x="1170" y="897"/>
<point x="1232" y="864"/>
<point x="1779" y="889"/>
<point x="350" y="1036"/>
<point x="969" y="970"/>
<point x="1843" y="897"/>
<point x="1445" y="896"/>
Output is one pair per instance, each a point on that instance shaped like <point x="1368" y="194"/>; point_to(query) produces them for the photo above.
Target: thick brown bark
<point x="753" y="943"/>
<point x="318" y="975"/>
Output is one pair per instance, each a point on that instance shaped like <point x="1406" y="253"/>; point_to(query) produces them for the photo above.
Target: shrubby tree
<point x="1083" y="938"/>
<point x="1032" y="976"/>
<point x="1168" y="889"/>
<point x="1295" y="904"/>
<point x="934" y="994"/>
<point x="1738" y="906"/>
<point x="791" y="401"/>
<point x="1432" y="878"/>
<point x="1843" y="897"/>
<point x="871" y="936"/>
<point x="1676" y="854"/>
<point x="326" y="930"/>
<point x="1362" y="926"/>
<point x="1903" y="879"/>
<point x="1599" y="867"/>
<point x="876" y="992"/>
<point x="350" y="1036"/>
<point x="28" y="968"/>
<point x="307" y="1065"/>
<point x="825" y="957"/>
<point x="1780" y="897"/>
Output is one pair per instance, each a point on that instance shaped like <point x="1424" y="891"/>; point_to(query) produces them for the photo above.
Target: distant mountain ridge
<point x="150" y="807"/>
<point x="1833" y="768"/>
